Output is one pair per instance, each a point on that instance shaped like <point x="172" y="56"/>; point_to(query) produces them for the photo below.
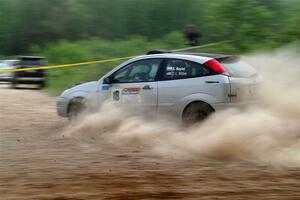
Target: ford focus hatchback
<point x="189" y="86"/>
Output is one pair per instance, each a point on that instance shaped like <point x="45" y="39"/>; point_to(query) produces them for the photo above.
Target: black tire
<point x="196" y="112"/>
<point x="76" y="109"/>
<point x="42" y="85"/>
<point x="13" y="84"/>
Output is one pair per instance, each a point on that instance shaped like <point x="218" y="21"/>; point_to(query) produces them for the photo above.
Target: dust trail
<point x="268" y="133"/>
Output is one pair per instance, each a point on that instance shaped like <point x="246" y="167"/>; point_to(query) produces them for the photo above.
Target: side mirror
<point x="107" y="80"/>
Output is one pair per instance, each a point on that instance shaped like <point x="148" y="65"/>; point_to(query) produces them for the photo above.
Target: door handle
<point x="147" y="87"/>
<point x="211" y="81"/>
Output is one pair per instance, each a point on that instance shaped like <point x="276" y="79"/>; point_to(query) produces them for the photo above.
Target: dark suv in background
<point x="30" y="76"/>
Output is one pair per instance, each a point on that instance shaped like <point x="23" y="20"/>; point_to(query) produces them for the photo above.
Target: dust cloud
<point x="266" y="133"/>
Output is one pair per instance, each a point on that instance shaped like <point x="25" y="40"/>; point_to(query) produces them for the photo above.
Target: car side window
<point x="139" y="71"/>
<point x="180" y="69"/>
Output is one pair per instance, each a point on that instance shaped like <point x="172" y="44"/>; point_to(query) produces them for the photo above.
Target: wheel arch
<point x="72" y="96"/>
<point x="76" y="99"/>
<point x="199" y="97"/>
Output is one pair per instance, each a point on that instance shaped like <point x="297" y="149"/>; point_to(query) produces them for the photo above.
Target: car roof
<point x="30" y="57"/>
<point x="209" y="55"/>
<point x="9" y="60"/>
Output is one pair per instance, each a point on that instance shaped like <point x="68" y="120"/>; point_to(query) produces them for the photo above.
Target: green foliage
<point x="69" y="31"/>
<point x="39" y="22"/>
<point x="254" y="24"/>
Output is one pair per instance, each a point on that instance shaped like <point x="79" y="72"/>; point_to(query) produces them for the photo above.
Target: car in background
<point x="35" y="76"/>
<point x="7" y="65"/>
<point x="190" y="86"/>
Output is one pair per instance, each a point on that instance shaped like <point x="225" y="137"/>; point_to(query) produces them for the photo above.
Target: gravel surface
<point x="37" y="162"/>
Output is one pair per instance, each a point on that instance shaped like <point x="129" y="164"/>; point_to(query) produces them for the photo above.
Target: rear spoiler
<point x="158" y="52"/>
<point x="228" y="58"/>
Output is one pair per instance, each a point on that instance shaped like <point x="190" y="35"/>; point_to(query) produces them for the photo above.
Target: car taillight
<point x="216" y="66"/>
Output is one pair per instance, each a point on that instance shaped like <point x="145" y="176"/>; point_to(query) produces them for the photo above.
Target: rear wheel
<point x="76" y="109"/>
<point x="196" y="112"/>
<point x="13" y="84"/>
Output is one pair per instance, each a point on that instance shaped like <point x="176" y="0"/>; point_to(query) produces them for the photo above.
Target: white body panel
<point x="174" y="94"/>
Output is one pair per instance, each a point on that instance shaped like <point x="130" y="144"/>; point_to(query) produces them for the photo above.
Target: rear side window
<point x="238" y="68"/>
<point x="180" y="69"/>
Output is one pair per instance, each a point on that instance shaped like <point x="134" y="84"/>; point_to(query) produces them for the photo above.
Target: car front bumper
<point x="62" y="106"/>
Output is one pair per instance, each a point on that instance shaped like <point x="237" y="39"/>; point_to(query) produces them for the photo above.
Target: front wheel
<point x="76" y="109"/>
<point x="196" y="112"/>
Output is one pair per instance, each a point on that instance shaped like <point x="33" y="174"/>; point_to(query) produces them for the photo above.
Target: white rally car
<point x="189" y="86"/>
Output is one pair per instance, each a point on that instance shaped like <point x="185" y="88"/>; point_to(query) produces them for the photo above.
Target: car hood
<point x="84" y="87"/>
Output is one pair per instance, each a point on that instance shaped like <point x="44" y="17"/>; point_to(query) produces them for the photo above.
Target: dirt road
<point x="37" y="162"/>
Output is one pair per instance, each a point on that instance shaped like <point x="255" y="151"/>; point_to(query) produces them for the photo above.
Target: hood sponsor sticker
<point x="131" y="91"/>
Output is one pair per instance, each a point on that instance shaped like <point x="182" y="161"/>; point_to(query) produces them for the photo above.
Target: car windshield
<point x="238" y="68"/>
<point x="32" y="61"/>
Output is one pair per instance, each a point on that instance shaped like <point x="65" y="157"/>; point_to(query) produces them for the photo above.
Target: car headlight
<point x="65" y="92"/>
